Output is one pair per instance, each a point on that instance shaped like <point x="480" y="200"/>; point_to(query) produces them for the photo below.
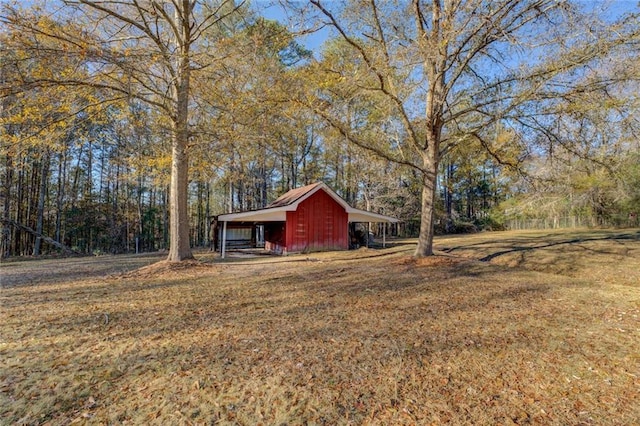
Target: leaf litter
<point x="350" y="338"/>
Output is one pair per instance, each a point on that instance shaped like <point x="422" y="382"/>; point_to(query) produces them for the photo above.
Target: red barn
<point x="310" y="218"/>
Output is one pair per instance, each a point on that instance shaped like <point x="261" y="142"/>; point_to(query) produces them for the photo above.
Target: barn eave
<point x="278" y="213"/>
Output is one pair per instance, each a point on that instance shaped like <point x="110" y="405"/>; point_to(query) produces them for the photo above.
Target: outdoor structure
<point x="310" y="218"/>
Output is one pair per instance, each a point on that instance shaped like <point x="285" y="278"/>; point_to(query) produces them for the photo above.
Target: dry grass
<point x="362" y="337"/>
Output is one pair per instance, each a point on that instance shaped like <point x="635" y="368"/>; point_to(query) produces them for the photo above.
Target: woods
<point x="126" y="126"/>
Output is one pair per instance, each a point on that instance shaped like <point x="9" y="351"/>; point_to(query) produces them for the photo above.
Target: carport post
<point x="384" y="234"/>
<point x="224" y="239"/>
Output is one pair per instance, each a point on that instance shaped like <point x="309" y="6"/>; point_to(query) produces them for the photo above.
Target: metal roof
<point x="291" y="196"/>
<point x="277" y="211"/>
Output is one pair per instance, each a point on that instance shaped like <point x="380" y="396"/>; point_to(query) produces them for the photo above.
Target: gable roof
<point x="291" y="196"/>
<point x="289" y="201"/>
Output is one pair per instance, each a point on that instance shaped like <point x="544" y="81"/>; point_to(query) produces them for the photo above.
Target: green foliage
<point x="631" y="180"/>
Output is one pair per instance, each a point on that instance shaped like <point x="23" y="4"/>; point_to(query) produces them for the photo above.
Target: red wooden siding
<point x="319" y="223"/>
<point x="274" y="237"/>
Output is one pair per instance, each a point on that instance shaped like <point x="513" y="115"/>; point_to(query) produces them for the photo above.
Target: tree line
<point x="127" y="125"/>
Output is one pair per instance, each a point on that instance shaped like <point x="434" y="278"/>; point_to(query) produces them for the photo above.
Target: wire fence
<point x="614" y="221"/>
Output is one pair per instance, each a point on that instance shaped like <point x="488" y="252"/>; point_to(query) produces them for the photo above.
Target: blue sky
<point x="614" y="9"/>
<point x="273" y="11"/>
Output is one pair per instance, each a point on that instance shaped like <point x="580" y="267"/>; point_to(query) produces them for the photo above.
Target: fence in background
<point x="616" y="221"/>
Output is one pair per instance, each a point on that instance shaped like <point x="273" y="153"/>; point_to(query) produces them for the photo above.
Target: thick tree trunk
<point x="427" y="215"/>
<point x="178" y="214"/>
<point x="429" y="180"/>
<point x="180" y="248"/>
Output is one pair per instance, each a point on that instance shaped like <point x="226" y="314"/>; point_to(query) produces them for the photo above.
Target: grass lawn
<point x="499" y="328"/>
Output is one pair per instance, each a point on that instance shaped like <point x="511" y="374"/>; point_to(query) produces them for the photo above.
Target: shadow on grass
<point x="330" y="256"/>
<point x="324" y="343"/>
<point x="39" y="272"/>
<point x="515" y="247"/>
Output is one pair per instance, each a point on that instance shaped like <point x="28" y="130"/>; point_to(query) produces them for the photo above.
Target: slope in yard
<point x="364" y="337"/>
<point x="605" y="257"/>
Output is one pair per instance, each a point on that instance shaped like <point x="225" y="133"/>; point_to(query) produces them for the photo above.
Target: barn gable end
<point x="319" y="223"/>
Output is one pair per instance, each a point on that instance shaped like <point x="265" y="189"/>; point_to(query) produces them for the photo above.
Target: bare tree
<point x="445" y="71"/>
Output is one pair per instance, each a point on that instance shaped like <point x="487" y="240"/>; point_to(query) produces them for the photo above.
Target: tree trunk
<point x="117" y="236"/>
<point x="17" y="246"/>
<point x="448" y="196"/>
<point x="32" y="189"/>
<point x="44" y="238"/>
<point x="207" y="213"/>
<point x="429" y="180"/>
<point x="41" y="199"/>
<point x="435" y="69"/>
<point x="6" y="214"/>
<point x="76" y="177"/>
<point x="62" y="176"/>
<point x="180" y="248"/>
<point x="151" y="225"/>
<point x="165" y="218"/>
<point x="200" y="227"/>
<point x="427" y="215"/>
<point x="139" y="207"/>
